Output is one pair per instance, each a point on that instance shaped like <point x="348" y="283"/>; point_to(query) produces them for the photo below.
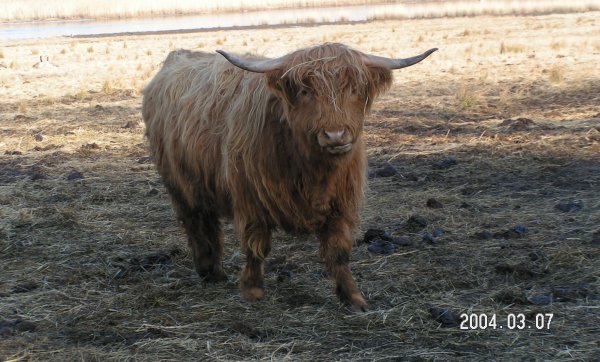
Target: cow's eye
<point x="356" y="92"/>
<point x="304" y="93"/>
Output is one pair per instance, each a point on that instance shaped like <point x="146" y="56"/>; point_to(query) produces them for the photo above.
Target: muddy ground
<point x="484" y="175"/>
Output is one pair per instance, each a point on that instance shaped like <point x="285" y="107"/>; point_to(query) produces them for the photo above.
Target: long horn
<point x="390" y="63"/>
<point x="256" y="66"/>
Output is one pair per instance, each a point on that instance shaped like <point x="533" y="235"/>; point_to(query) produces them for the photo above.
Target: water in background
<point x="45" y="29"/>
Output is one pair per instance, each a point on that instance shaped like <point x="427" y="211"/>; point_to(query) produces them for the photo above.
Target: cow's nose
<point x="334" y="136"/>
<point x="335" y="140"/>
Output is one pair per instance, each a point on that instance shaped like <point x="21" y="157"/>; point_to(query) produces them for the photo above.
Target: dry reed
<point x="26" y="10"/>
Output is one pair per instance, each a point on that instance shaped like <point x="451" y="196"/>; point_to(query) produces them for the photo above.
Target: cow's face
<point x="325" y="99"/>
<point x="325" y="92"/>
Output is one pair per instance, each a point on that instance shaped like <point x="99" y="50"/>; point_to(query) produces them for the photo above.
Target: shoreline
<point x="305" y="24"/>
<point x="217" y="29"/>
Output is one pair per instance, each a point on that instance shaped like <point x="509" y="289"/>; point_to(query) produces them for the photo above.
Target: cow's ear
<point x="380" y="80"/>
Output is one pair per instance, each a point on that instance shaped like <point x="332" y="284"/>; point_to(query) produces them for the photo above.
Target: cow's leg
<point x="205" y="237"/>
<point x="256" y="243"/>
<point x="336" y="246"/>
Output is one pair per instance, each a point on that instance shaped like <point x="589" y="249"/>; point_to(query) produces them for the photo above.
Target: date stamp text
<point x="541" y="321"/>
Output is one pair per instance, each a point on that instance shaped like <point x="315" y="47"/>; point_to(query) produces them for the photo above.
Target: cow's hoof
<point x="356" y="304"/>
<point x="363" y="308"/>
<point x="252" y="294"/>
<point x="213" y="277"/>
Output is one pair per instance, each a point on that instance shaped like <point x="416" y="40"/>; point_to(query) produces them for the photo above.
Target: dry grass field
<point x="484" y="157"/>
<point x="35" y="10"/>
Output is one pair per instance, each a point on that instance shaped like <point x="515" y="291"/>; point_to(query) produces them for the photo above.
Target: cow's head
<point x="326" y="91"/>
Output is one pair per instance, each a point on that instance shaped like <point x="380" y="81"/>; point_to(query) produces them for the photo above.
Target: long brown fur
<point x="228" y="142"/>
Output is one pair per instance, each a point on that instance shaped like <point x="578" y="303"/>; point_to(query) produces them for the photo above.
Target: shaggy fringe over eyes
<point x="330" y="70"/>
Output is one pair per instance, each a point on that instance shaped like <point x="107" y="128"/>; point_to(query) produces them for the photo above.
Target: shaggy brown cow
<point x="274" y="143"/>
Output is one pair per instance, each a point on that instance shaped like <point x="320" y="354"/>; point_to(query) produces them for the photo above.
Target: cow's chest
<point x="305" y="208"/>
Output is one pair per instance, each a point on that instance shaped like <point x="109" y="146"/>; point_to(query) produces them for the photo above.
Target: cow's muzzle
<point x="337" y="150"/>
<point x="335" y="141"/>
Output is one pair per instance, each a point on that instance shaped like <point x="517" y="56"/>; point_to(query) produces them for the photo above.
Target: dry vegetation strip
<point x="27" y="10"/>
<point x="70" y="9"/>
<point x="494" y="141"/>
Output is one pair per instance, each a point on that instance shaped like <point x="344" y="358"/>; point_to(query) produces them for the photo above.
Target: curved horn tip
<point x="223" y="53"/>
<point x="235" y="60"/>
<point x="230" y="57"/>
<point x="255" y="66"/>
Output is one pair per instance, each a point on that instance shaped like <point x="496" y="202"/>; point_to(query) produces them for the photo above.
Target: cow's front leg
<point x="336" y="246"/>
<point x="256" y="243"/>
